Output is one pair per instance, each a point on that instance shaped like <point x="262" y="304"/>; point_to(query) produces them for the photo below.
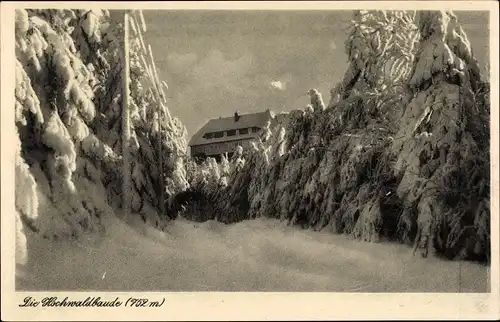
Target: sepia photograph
<point x="249" y="150"/>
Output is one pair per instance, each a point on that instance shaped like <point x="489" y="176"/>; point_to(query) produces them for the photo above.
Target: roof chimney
<point x="236" y="116"/>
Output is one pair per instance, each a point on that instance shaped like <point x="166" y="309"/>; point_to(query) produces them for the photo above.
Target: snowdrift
<point x="68" y="117"/>
<point x="401" y="150"/>
<point x="262" y="255"/>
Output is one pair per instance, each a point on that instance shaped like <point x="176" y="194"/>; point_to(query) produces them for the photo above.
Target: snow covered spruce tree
<point x="400" y="152"/>
<point x="68" y="109"/>
<point x="443" y="144"/>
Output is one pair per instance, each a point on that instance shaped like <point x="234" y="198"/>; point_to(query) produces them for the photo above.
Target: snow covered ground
<point x="256" y="255"/>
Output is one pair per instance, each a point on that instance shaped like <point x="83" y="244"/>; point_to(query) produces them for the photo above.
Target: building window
<point x="208" y="136"/>
<point x="218" y="135"/>
<point x="243" y="131"/>
<point x="255" y="129"/>
<point x="231" y="133"/>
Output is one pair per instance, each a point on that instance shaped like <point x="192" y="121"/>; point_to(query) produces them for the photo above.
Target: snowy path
<point x="258" y="255"/>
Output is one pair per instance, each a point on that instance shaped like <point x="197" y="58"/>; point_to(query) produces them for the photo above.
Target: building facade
<point x="223" y="135"/>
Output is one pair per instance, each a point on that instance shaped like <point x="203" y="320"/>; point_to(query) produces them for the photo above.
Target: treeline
<point x="400" y="152"/>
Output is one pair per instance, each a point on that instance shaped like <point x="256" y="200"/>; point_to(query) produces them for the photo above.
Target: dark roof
<point x="229" y="123"/>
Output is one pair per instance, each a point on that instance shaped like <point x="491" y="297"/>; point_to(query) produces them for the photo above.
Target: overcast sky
<point x="219" y="62"/>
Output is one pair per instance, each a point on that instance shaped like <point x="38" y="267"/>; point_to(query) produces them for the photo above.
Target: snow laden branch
<point x="381" y="48"/>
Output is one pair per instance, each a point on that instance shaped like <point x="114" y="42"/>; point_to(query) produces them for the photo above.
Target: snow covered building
<point x="223" y="135"/>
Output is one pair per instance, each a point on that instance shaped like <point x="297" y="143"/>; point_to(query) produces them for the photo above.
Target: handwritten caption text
<point x="54" y="301"/>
